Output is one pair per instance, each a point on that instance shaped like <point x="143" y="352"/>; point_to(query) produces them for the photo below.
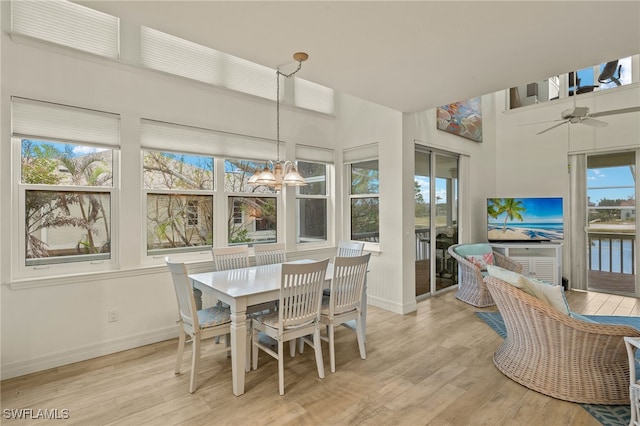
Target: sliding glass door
<point x="436" y="219"/>
<point x="611" y="222"/>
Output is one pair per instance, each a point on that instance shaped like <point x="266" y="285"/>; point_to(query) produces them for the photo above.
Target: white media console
<point x="538" y="260"/>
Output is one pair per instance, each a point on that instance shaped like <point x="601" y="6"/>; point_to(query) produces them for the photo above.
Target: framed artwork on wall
<point x="462" y="118"/>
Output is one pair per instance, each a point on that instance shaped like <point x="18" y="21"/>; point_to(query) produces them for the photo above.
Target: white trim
<point x="163" y="136"/>
<point x="69" y="356"/>
<point x="360" y="153"/>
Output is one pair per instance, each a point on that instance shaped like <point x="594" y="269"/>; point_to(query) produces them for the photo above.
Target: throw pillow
<point x="504" y="274"/>
<point x="481" y="260"/>
<point x="545" y="292"/>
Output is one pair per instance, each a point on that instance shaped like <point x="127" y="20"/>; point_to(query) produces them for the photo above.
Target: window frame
<point x="201" y="251"/>
<point x="59" y="266"/>
<point x="328" y="209"/>
<point x="351" y="197"/>
<point x="228" y="195"/>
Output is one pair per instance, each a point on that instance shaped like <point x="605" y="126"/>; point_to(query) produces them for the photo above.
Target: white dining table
<point x="244" y="287"/>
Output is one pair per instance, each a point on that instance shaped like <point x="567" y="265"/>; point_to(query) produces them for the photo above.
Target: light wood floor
<point x="430" y="367"/>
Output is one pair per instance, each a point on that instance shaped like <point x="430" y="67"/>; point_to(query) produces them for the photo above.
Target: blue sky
<point x="607" y="183"/>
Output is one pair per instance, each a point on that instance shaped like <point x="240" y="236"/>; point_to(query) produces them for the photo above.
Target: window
<point x="65" y="181"/>
<point x="364" y="197"/>
<point x="179" y="195"/>
<point x="604" y="76"/>
<point x="312" y="203"/>
<point x="69" y="24"/>
<point x="67" y="214"/>
<point x="253" y="211"/>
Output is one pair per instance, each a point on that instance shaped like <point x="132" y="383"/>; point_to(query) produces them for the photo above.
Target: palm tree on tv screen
<point x="512" y="208"/>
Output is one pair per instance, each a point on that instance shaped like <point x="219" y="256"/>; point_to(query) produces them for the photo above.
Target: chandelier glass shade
<point x="280" y="173"/>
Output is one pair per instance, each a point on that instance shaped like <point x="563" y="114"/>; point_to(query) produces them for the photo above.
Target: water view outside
<point x="612" y="256"/>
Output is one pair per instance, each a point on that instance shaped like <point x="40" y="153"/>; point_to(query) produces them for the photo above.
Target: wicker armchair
<point x="557" y="355"/>
<point x="471" y="288"/>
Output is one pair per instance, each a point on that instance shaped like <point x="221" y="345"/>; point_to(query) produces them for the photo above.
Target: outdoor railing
<point x="611" y="252"/>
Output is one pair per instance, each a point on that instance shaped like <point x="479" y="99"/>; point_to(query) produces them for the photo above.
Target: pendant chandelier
<point x="280" y="173"/>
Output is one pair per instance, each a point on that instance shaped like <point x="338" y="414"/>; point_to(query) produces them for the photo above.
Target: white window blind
<point x="314" y="154"/>
<point x="161" y="136"/>
<point x="360" y="153"/>
<point x="174" y="55"/>
<point x="68" y="24"/>
<point x="44" y="120"/>
<point x="313" y="96"/>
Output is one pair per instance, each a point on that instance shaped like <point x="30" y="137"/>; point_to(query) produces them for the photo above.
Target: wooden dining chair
<point x="350" y="248"/>
<point x="298" y="314"/>
<point x="344" y="303"/>
<point x="197" y="324"/>
<point x="347" y="249"/>
<point x="232" y="257"/>
<point x="267" y="254"/>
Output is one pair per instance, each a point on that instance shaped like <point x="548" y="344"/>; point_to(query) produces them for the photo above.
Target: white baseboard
<point x="45" y="362"/>
<point x="397" y="308"/>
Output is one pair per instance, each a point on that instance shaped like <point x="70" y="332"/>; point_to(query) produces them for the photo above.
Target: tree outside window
<point x="67" y="201"/>
<point x="179" y="195"/>
<point x="253" y="215"/>
<point x="312" y="201"/>
<point x="364" y="196"/>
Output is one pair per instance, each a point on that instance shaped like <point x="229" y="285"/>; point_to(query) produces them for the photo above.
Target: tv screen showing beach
<point x="524" y="219"/>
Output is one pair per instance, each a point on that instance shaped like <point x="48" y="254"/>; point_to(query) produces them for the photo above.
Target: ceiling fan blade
<point x="615" y="111"/>
<point x="540" y="122"/>
<point x="552" y="127"/>
<point x="593" y="122"/>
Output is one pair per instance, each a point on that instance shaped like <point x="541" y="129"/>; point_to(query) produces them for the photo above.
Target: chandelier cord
<point x="278" y="74"/>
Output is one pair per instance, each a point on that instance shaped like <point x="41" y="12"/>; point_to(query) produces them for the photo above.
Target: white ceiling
<point x="409" y="56"/>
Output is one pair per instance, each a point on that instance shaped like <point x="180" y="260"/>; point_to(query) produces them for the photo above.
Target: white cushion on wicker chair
<point x="504" y="274"/>
<point x="545" y="292"/>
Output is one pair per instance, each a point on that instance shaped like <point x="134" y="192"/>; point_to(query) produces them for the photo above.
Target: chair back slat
<point x="184" y="294"/>
<point x="349" y="274"/>
<point x="301" y="293"/>
<point x="267" y="254"/>
<point x="350" y="248"/>
<point x="233" y="257"/>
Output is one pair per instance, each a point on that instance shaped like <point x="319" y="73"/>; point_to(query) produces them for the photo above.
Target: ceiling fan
<point x="581" y="115"/>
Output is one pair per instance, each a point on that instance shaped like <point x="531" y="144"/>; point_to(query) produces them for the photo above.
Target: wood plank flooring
<point x="431" y="367"/>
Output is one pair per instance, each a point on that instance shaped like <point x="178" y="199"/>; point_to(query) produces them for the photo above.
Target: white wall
<point x="363" y="123"/>
<point x="51" y="322"/>
<point x="45" y="324"/>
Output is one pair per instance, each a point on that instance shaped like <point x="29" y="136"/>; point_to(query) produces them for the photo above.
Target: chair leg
<point x="181" y="339"/>
<point x="247" y="355"/>
<point x="360" y="337"/>
<point x="292" y="348"/>
<point x="332" y="347"/>
<point x="195" y="361"/>
<point x="317" y="346"/>
<point x="280" y="367"/>
<point x="254" y="338"/>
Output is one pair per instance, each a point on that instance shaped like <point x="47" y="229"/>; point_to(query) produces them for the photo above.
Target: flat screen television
<point x="525" y="219"/>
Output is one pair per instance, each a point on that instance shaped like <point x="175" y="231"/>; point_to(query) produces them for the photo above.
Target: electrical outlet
<point x="113" y="315"/>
